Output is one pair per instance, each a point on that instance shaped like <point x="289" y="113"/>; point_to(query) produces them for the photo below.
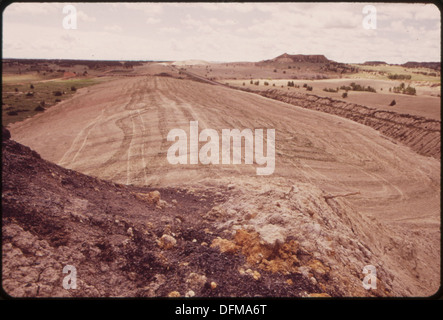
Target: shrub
<point x="30" y="94"/>
<point x="266" y="83"/>
<point x="39" y="109"/>
<point x="57" y="93"/>
<point x="73" y="88"/>
<point x="31" y="86"/>
<point x="357" y="87"/>
<point x="162" y="74"/>
<point x="308" y="88"/>
<point x="399" y="76"/>
<point x="16" y="89"/>
<point x="393" y="103"/>
<point x="410" y="90"/>
<point x="344" y="95"/>
<point x="405" y="90"/>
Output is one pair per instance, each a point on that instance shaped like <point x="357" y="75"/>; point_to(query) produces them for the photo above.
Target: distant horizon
<point x="222" y="32"/>
<point x="145" y="60"/>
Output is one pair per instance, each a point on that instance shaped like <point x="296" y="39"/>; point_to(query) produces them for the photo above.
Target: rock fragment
<point x="196" y="281"/>
<point x="174" y="294"/>
<point x="167" y="242"/>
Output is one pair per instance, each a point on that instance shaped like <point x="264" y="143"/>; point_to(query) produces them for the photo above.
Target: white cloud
<point x="218" y="22"/>
<point x="224" y="32"/>
<point x="397" y="26"/>
<point x="195" y="24"/>
<point x="82" y="16"/>
<point x="171" y="30"/>
<point x="113" y="28"/>
<point x="152" y="20"/>
<point x="146" y="8"/>
<point x="33" y="8"/>
<point x="68" y="37"/>
<point x="400" y="11"/>
<point x="191" y="22"/>
<point x="244" y="7"/>
<point x="210" y="6"/>
<point x="427" y="12"/>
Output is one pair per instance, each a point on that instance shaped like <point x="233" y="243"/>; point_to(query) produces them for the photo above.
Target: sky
<point x="226" y="32"/>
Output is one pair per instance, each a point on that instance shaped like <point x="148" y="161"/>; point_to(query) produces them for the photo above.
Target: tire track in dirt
<point x="119" y="120"/>
<point x="178" y="112"/>
<point x="143" y="146"/>
<point x="194" y="108"/>
<point x="111" y="168"/>
<point x="79" y="142"/>
<point x="324" y="148"/>
<point x="70" y="156"/>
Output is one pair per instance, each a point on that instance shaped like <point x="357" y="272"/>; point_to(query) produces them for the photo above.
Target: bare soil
<point x="343" y="196"/>
<point x="53" y="217"/>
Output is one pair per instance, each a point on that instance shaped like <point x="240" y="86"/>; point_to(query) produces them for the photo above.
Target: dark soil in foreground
<point x="117" y="241"/>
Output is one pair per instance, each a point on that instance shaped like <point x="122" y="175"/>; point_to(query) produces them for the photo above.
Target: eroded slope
<point x="372" y="200"/>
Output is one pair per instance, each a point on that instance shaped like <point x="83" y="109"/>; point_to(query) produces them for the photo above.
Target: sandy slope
<point x="190" y="63"/>
<point x="118" y="130"/>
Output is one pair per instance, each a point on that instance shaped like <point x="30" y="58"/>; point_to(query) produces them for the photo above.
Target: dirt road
<point x="118" y="131"/>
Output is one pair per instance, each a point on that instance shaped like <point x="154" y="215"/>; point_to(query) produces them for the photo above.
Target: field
<point x="425" y="103"/>
<point x="426" y="82"/>
<point x="382" y="72"/>
<point x="20" y="100"/>
<point x="347" y="194"/>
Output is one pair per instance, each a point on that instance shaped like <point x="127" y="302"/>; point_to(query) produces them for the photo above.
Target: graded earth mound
<point x="234" y="241"/>
<point x="190" y="63"/>
<point x="342" y="196"/>
<point x="123" y="241"/>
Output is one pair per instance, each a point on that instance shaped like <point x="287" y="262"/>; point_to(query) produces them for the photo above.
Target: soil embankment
<point x="420" y="134"/>
<point x="342" y="196"/>
<point x="135" y="242"/>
